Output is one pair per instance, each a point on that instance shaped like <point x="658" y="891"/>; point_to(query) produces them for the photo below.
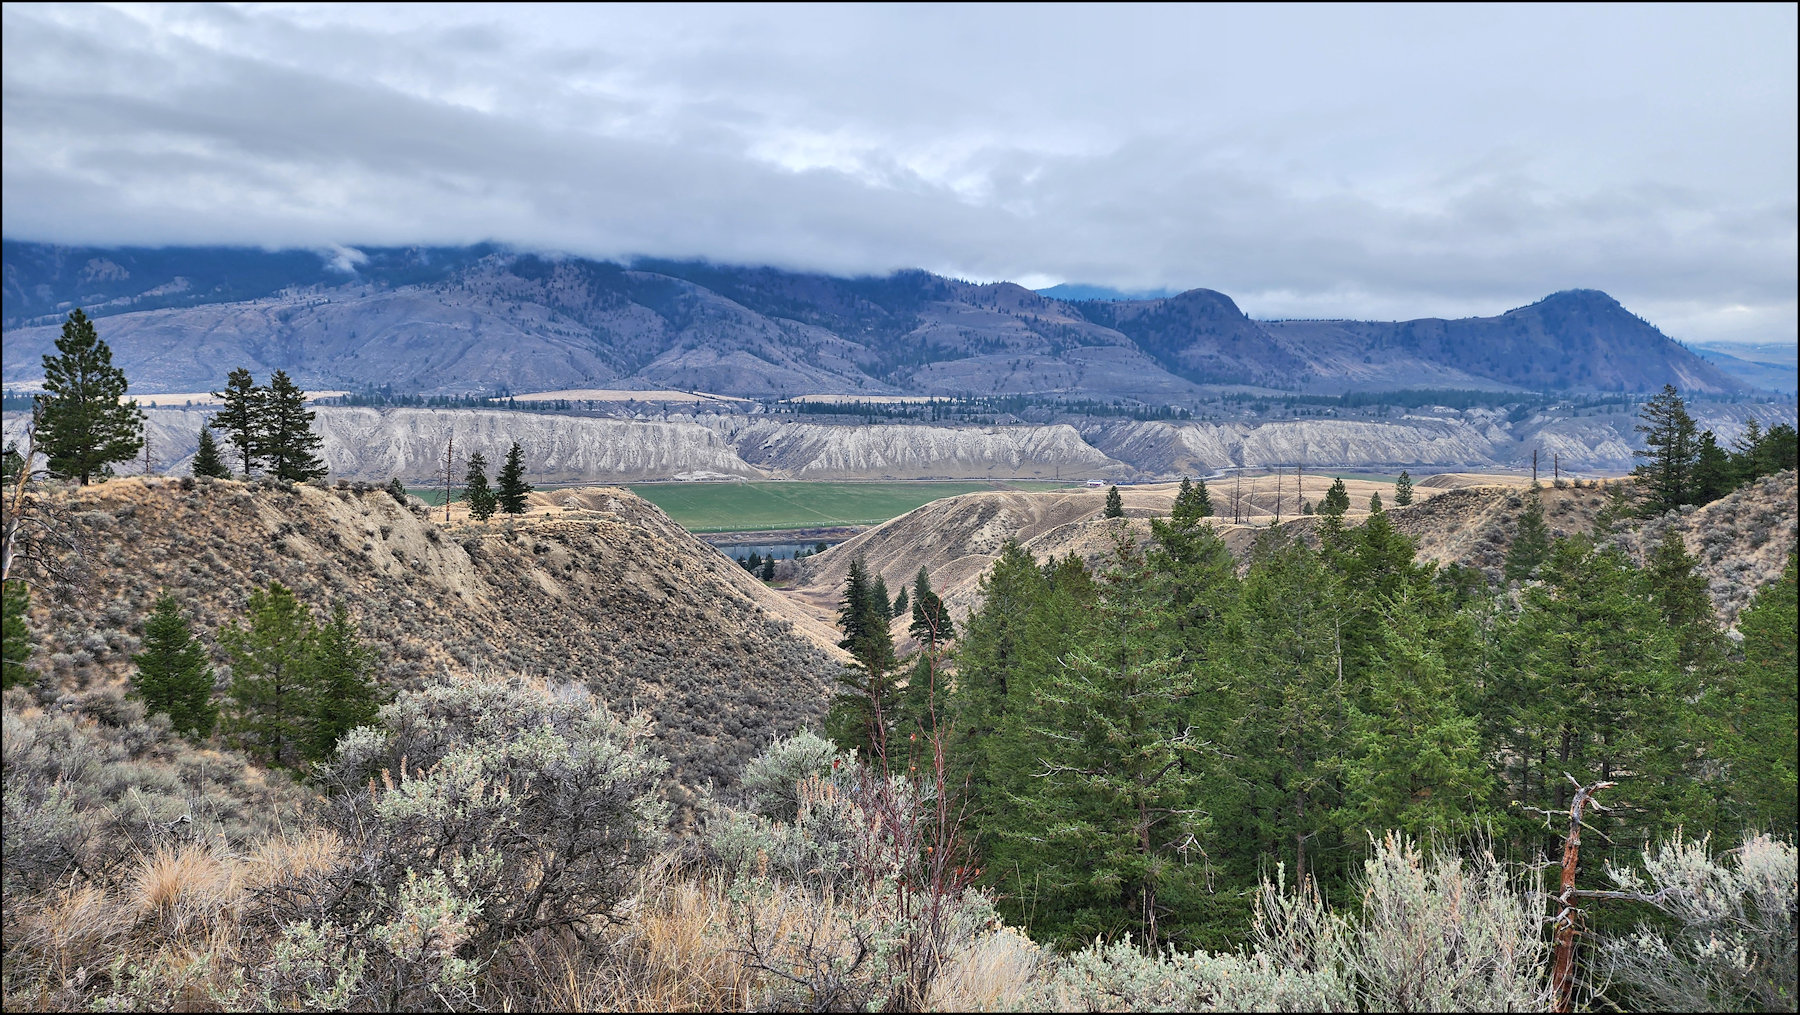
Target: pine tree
<point x="1415" y="761"/>
<point x="241" y="416"/>
<point x="900" y="603"/>
<point x="173" y="675"/>
<point x="1115" y="505"/>
<point x="1337" y="500"/>
<point x="476" y="491"/>
<point x="1284" y="667"/>
<point x="1531" y="545"/>
<point x="513" y="488"/>
<point x="343" y="691"/>
<point x="1115" y="800"/>
<point x="288" y="440"/>
<point x="1667" y="472"/>
<point x="1714" y="473"/>
<point x="768" y="568"/>
<point x="1588" y="684"/>
<point x="1761" y="719"/>
<point x="397" y="490"/>
<point x="84" y="422"/>
<point x="1403" y="490"/>
<point x="1678" y="589"/>
<point x="1375" y="503"/>
<point x="271" y="677"/>
<point x="12" y="463"/>
<point x="1192" y="503"/>
<point x="859" y="715"/>
<point x="931" y="622"/>
<point x="1743" y="451"/>
<point x="15" y="603"/>
<point x="207" y="462"/>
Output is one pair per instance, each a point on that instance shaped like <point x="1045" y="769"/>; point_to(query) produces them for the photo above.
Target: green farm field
<point x="761" y="507"/>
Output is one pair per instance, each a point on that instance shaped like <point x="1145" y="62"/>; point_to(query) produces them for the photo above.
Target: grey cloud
<point x="1309" y="161"/>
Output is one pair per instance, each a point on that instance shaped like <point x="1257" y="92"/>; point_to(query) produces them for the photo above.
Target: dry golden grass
<point x="313" y="852"/>
<point x="181" y="888"/>
<point x="990" y="975"/>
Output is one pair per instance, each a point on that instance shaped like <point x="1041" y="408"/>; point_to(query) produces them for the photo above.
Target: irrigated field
<point x="746" y="507"/>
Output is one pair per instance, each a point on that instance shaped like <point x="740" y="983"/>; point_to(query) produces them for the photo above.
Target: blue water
<point x="780" y="551"/>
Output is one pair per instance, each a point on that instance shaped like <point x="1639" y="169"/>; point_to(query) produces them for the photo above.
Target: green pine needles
<point x="207" y="461"/>
<point x="15" y="603"/>
<point x="270" y="428"/>
<point x="84" y="421"/>
<point x="513" y="488"/>
<point x="296" y="687"/>
<point x="480" y="497"/>
<point x="173" y="674"/>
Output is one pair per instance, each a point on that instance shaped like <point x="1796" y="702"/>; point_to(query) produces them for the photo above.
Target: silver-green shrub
<point x="1732" y="947"/>
<point x="544" y="806"/>
<point x="1434" y="932"/>
<point x="771" y="779"/>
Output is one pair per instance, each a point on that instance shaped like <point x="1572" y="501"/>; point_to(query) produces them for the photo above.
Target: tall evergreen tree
<point x="343" y="691"/>
<point x="879" y="593"/>
<point x="1403" y="489"/>
<point x="1589" y="684"/>
<point x="15" y="603"/>
<point x="1778" y="451"/>
<point x="1006" y="643"/>
<point x="513" y="488"/>
<point x="1115" y="505"/>
<point x="1761" y="727"/>
<point x="1714" y="473"/>
<point x="1116" y="800"/>
<point x="768" y="568"/>
<point x="1415" y="761"/>
<point x="1337" y="500"/>
<point x="1375" y="503"/>
<point x="476" y="491"/>
<point x="271" y="693"/>
<point x="1667" y="470"/>
<point x="288" y="440"/>
<point x="1531" y="544"/>
<point x="901" y="602"/>
<point x="207" y="462"/>
<point x="931" y="622"/>
<point x="1292" y="720"/>
<point x="1678" y="589"/>
<point x="241" y="416"/>
<point x="173" y="675"/>
<point x="84" y="421"/>
<point x="1192" y="503"/>
<point x="860" y="714"/>
<point x="1743" y="451"/>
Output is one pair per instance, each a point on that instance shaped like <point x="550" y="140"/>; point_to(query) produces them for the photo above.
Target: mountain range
<point x="489" y="319"/>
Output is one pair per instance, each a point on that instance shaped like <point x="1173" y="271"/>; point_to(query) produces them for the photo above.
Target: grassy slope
<point x="734" y="507"/>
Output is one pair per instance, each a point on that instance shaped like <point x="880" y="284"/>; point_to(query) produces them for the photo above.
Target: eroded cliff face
<point x="375" y="444"/>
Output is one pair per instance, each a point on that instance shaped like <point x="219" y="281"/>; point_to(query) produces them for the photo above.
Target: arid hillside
<point x="1456" y="518"/>
<point x="955" y="539"/>
<point x="595" y="586"/>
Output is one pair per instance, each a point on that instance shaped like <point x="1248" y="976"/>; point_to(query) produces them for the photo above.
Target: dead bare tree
<point x="449" y="473"/>
<point x="1562" y="963"/>
<point x="39" y="546"/>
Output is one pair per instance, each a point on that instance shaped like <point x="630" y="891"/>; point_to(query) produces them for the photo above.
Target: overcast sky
<point x="1309" y="161"/>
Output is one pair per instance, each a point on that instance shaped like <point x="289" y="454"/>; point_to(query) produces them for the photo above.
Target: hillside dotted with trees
<point x="1316" y="775"/>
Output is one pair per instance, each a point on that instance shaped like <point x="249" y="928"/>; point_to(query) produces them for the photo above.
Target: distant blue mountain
<point x="1074" y="291"/>
<point x="485" y="318"/>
